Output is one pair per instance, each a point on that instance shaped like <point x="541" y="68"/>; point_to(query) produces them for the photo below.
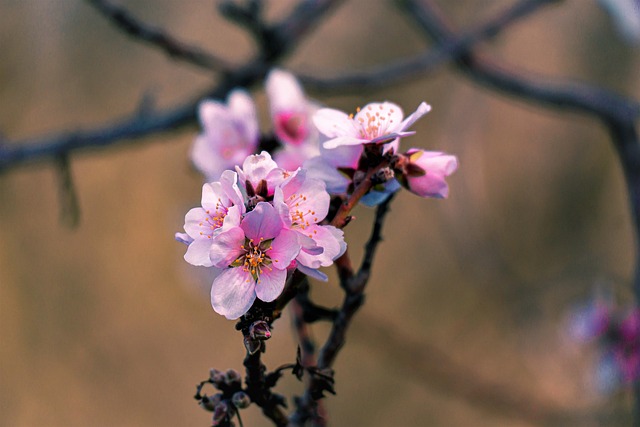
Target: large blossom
<point x="302" y="203"/>
<point x="376" y="123"/>
<point x="291" y="114"/>
<point x="255" y="256"/>
<point x="221" y="206"/>
<point x="230" y="133"/>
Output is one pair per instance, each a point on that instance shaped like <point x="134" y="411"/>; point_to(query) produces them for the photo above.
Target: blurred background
<point x="466" y="313"/>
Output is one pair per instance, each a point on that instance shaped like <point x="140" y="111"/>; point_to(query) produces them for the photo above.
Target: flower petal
<point x="198" y="253"/>
<point x="262" y="222"/>
<point x="314" y="273"/>
<point x="270" y="284"/>
<point x="233" y="293"/>
<point x="343" y="140"/>
<point x="284" y="249"/>
<point x="422" y="109"/>
<point x="226" y="247"/>
<point x="334" y="123"/>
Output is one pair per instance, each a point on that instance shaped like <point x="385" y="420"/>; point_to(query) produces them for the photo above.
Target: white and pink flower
<point x="254" y="257"/>
<point x="221" y="206"/>
<point x="302" y="203"/>
<point x="229" y="134"/>
<point x="376" y="123"/>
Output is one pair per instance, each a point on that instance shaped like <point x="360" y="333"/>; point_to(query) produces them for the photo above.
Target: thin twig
<point x="353" y="299"/>
<point x="158" y="37"/>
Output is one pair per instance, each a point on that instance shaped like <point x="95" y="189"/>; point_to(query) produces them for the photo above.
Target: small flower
<point x="426" y="172"/>
<point x="222" y="205"/>
<point x="302" y="203"/>
<point x="260" y="175"/>
<point x="230" y="133"/>
<point x="255" y="256"/>
<point x="376" y="123"/>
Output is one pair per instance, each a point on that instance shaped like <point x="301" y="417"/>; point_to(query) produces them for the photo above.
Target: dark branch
<point x="572" y="96"/>
<point x="617" y="114"/>
<point x="124" y="20"/>
<point x="136" y="126"/>
<point x="419" y="66"/>
<point x="353" y="299"/>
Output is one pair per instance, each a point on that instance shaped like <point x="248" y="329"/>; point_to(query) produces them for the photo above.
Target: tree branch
<point x="571" y="96"/>
<point x="353" y="299"/>
<point x="136" y="126"/>
<point x="419" y="66"/>
<point x="159" y="38"/>
<point x="617" y="114"/>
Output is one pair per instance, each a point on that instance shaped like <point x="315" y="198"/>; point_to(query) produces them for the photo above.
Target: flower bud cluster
<point x="230" y="398"/>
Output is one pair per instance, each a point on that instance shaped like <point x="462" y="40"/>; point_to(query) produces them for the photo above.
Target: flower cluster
<point x="618" y="334"/>
<point x="263" y="217"/>
<point x="254" y="226"/>
<point x="231" y="132"/>
<point x="356" y="143"/>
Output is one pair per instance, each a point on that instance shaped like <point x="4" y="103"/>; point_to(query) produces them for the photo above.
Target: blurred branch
<point x="572" y="96"/>
<point x="135" y="126"/>
<point x="158" y="37"/>
<point x="619" y="115"/>
<point x="419" y="66"/>
<point x="354" y="298"/>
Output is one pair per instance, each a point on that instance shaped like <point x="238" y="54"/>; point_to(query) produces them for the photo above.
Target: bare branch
<point x="572" y="96"/>
<point x="617" y="114"/>
<point x="136" y="126"/>
<point x="353" y="299"/>
<point x="158" y="37"/>
<point x="419" y="66"/>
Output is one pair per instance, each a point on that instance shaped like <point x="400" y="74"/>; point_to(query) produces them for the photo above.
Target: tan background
<point x="106" y="325"/>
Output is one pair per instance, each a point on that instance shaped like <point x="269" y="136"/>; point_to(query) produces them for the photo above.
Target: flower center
<point x="255" y="258"/>
<point x="213" y="219"/>
<point x="297" y="214"/>
<point x="372" y="123"/>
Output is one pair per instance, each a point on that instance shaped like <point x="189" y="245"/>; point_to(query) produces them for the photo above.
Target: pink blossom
<point x="222" y="206"/>
<point x="290" y="110"/>
<point x="291" y="114"/>
<point x="376" y="123"/>
<point x="302" y="203"/>
<point x="427" y="171"/>
<point x="254" y="257"/>
<point x="230" y="133"/>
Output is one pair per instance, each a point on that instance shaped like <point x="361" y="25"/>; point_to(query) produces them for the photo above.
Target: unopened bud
<point x="232" y="377"/>
<point x="251" y="345"/>
<point x="241" y="400"/>
<point x="216" y="376"/>
<point x="220" y="413"/>
<point x="382" y="176"/>
<point x="210" y="402"/>
<point x="260" y="330"/>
